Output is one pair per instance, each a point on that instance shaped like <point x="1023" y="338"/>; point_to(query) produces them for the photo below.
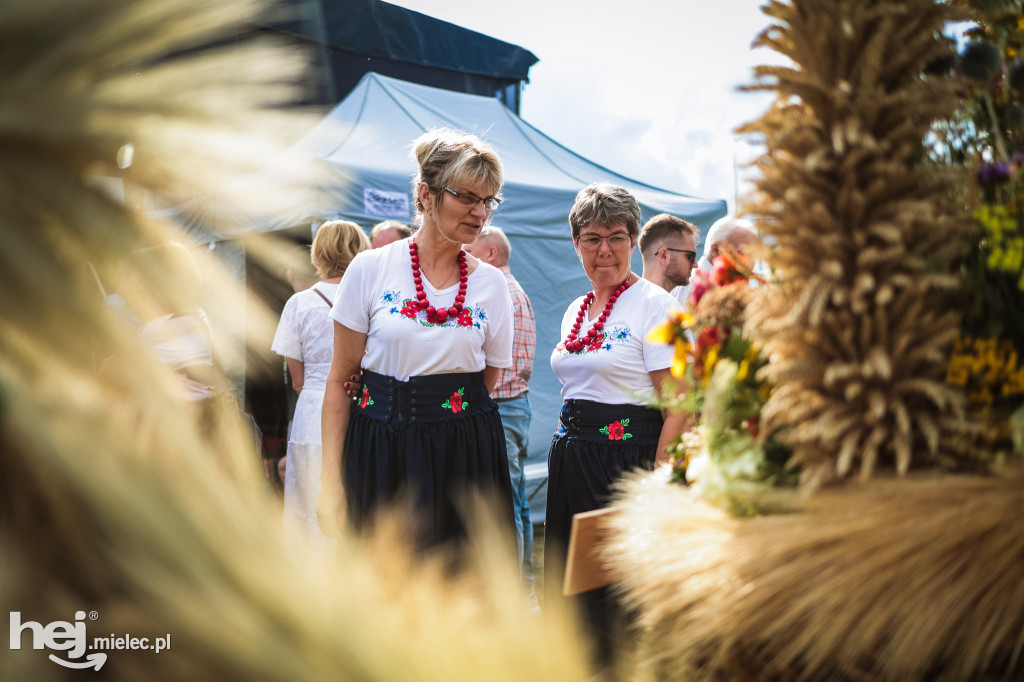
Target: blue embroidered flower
<point x="620" y="334"/>
<point x="390" y="296"/>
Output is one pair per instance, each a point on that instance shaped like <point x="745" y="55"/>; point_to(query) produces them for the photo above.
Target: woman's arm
<point x="297" y="369"/>
<point x="349" y="347"/>
<point x="675" y="422"/>
<point x="490" y="377"/>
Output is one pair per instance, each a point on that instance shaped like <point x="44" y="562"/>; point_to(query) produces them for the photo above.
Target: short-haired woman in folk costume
<point x="610" y="372"/>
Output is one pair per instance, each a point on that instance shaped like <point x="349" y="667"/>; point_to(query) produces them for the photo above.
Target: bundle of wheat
<point x="902" y="579"/>
<point x="861" y="324"/>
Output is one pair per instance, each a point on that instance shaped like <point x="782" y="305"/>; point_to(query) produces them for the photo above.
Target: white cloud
<point x="647" y="88"/>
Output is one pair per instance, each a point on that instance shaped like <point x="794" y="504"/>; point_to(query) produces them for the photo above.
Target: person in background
<point x="299" y="270"/>
<point x="305" y="338"/>
<point x="738" y="234"/>
<point x="430" y="327"/>
<point x="301" y="275"/>
<point x="610" y="372"/>
<point x="510" y="392"/>
<point x="174" y="325"/>
<point x="669" y="248"/>
<point x="387" y="231"/>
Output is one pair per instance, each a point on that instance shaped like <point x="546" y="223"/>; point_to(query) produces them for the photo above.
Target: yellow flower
<point x="663" y="333"/>
<point x="741" y="373"/>
<point x="673" y="328"/>
<point x="679" y="359"/>
<point x="710" y="360"/>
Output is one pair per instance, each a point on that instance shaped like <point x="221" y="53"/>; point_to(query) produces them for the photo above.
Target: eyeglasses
<point x="466" y="199"/>
<point x="690" y="255"/>
<point x="592" y="242"/>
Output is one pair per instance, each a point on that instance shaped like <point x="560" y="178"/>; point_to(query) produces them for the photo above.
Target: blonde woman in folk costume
<point x="305" y="337"/>
<point x="609" y="373"/>
<point x="429" y="326"/>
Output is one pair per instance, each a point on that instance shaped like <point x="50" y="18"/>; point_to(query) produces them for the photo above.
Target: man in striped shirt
<point x="492" y="247"/>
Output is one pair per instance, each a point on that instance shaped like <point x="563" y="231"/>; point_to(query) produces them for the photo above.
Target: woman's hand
<point x="354" y="386"/>
<point x="675" y="423"/>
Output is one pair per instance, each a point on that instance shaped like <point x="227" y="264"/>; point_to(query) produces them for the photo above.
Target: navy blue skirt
<point x="593" y="446"/>
<point x="430" y="443"/>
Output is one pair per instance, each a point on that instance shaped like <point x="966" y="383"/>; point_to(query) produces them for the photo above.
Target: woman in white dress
<point x="305" y="337"/>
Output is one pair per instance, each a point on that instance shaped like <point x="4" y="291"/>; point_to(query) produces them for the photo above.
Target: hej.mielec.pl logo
<point x="71" y="637"/>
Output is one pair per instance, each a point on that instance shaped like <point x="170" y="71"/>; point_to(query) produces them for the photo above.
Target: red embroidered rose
<point x="615" y="431"/>
<point x="410" y="310"/>
<point x="455" y="403"/>
<point x="366" y="399"/>
<point x="465" y="319"/>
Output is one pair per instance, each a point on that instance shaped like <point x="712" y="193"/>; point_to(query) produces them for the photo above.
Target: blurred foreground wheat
<point x="110" y="501"/>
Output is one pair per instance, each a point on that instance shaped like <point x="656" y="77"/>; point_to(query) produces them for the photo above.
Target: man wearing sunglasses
<point x="669" y="248"/>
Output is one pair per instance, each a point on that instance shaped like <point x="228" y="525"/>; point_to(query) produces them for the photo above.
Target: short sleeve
<point x="498" y="336"/>
<point x="658" y="355"/>
<point x="354" y="298"/>
<point x="286" y="339"/>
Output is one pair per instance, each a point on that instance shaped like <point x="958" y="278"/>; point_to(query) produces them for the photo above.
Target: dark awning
<point x="377" y="29"/>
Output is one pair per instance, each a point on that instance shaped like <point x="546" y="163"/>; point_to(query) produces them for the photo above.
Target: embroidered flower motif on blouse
<point x="616" y="430"/>
<point x="467" y="317"/>
<point x="603" y="340"/>
<point x="620" y="334"/>
<point x="455" y="403"/>
<point x="390" y="296"/>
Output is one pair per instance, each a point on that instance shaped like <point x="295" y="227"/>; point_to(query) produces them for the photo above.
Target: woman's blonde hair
<point x="335" y="244"/>
<point x="448" y="158"/>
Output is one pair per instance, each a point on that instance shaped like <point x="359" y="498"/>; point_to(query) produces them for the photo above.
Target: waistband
<point x="422" y="398"/>
<point x="591" y="420"/>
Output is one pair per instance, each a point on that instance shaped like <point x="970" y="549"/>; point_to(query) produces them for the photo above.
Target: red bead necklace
<point x="438" y="315"/>
<point x="574" y="344"/>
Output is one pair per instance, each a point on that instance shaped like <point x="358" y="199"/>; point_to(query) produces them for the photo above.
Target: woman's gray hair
<point x="604" y="204"/>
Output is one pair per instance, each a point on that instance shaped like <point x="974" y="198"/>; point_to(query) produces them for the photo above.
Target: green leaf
<point x="626" y="435"/>
<point x="624" y="422"/>
<point x="604" y="430"/>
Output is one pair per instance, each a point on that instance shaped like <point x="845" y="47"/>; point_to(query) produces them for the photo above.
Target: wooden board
<point x="584" y="569"/>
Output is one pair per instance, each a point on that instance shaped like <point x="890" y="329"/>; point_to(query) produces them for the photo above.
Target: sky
<point x="647" y="88"/>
